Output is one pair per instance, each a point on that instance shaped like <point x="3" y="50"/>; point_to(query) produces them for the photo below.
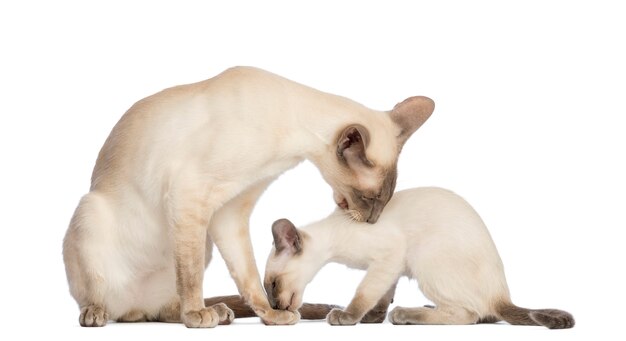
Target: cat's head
<point x="290" y="266"/>
<point x="363" y="169"/>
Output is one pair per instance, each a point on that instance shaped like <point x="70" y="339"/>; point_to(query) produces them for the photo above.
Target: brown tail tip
<point x="552" y="318"/>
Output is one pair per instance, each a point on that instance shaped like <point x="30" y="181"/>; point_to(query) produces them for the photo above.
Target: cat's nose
<point x="377" y="209"/>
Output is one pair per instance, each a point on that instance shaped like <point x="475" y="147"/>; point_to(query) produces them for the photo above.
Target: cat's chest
<point x="275" y="167"/>
<point x="351" y="262"/>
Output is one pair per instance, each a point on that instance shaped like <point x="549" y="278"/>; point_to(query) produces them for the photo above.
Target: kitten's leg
<point x="437" y="315"/>
<point x="376" y="283"/>
<point x="86" y="284"/>
<point x="379" y="312"/>
<point x="229" y="230"/>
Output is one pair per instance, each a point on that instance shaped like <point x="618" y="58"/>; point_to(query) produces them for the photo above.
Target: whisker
<point x="355" y="215"/>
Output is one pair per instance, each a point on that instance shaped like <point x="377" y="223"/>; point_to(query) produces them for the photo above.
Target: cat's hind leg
<point x="437" y="315"/>
<point x="86" y="282"/>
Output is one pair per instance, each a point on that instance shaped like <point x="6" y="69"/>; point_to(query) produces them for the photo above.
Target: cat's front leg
<point x="379" y="280"/>
<point x="190" y="243"/>
<point x="190" y="214"/>
<point x="229" y="230"/>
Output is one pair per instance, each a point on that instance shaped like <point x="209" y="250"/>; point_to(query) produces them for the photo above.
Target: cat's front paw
<point x="279" y="317"/>
<point x="338" y="317"/>
<point x="93" y="315"/>
<point x="203" y="318"/>
<point x="226" y="315"/>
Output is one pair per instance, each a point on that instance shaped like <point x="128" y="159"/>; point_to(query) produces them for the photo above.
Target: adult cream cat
<point x="183" y="169"/>
<point x="429" y="234"/>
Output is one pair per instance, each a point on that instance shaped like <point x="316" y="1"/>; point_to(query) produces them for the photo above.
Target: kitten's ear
<point x="410" y="114"/>
<point x="286" y="237"/>
<point x="351" y="146"/>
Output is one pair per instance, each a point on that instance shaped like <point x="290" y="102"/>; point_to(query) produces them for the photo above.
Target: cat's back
<point x="433" y="211"/>
<point x="164" y="125"/>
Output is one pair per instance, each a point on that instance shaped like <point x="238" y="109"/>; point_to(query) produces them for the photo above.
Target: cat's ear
<point x="410" y="114"/>
<point x="286" y="237"/>
<point x="351" y="146"/>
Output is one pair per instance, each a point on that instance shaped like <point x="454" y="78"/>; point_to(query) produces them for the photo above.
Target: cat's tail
<point x="308" y="311"/>
<point x="550" y="318"/>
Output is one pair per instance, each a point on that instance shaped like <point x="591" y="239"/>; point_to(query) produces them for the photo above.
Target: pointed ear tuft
<point x="351" y="146"/>
<point x="286" y="237"/>
<point x="410" y="114"/>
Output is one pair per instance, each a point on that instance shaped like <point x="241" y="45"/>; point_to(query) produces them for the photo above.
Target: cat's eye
<point x="364" y="198"/>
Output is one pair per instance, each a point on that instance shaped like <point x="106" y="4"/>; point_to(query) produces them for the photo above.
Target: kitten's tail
<point x="551" y="318"/>
<point x="308" y="311"/>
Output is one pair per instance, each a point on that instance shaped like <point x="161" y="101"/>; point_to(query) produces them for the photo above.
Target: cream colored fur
<point x="428" y="234"/>
<point x="184" y="168"/>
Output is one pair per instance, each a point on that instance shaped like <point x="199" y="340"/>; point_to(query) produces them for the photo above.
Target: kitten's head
<point x="290" y="266"/>
<point x="363" y="170"/>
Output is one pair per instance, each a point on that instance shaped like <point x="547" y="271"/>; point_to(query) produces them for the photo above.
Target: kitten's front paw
<point x="93" y="316"/>
<point x="226" y="315"/>
<point x="203" y="318"/>
<point x="279" y="317"/>
<point x="338" y="317"/>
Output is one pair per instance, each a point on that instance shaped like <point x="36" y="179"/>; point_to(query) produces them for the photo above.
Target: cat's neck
<point x="322" y="120"/>
<point x="338" y="238"/>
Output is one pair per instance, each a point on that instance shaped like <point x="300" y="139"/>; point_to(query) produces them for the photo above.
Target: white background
<point x="529" y="128"/>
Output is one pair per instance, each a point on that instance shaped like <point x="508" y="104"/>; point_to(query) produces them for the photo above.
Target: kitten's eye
<point x="273" y="284"/>
<point x="364" y="198"/>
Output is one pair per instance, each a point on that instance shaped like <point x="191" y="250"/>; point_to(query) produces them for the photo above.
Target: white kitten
<point x="183" y="169"/>
<point x="429" y="234"/>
